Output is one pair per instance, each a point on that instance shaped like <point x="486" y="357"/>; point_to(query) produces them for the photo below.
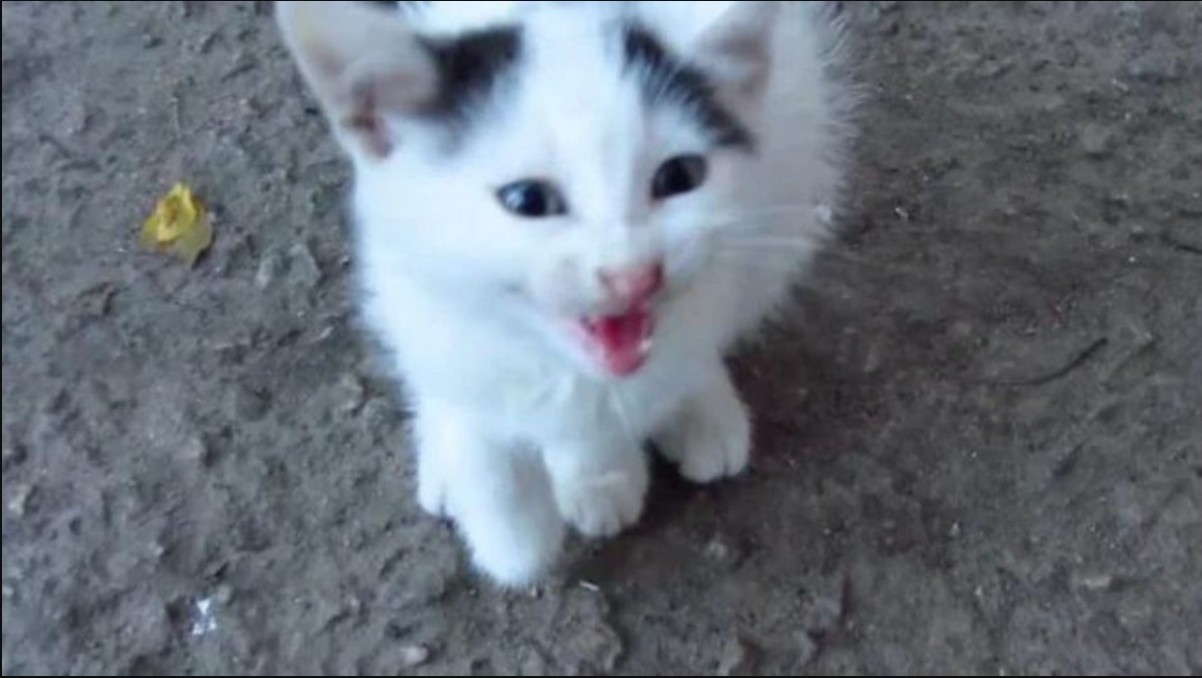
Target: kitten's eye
<point x="532" y="199"/>
<point x="678" y="175"/>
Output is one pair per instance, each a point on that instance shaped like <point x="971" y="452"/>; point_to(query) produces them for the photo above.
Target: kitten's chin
<point x="616" y="345"/>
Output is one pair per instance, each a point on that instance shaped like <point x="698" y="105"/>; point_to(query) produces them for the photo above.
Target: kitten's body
<point x="523" y="419"/>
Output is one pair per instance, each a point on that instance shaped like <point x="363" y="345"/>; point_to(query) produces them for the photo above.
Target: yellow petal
<point x="179" y="225"/>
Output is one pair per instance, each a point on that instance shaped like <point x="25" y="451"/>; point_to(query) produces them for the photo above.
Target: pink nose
<point x="633" y="284"/>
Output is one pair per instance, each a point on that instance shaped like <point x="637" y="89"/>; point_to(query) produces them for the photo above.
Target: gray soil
<point x="978" y="427"/>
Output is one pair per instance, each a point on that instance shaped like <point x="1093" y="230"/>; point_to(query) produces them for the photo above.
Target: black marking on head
<point x="402" y="6"/>
<point x="666" y="79"/>
<point x="470" y="67"/>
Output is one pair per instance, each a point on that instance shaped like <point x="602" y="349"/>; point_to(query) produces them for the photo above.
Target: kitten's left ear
<point x="365" y="66"/>
<point x="735" y="44"/>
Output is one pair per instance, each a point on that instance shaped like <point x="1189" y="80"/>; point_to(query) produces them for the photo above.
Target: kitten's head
<point x="559" y="162"/>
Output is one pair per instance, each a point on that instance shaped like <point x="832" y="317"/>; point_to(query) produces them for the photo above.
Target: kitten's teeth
<point x="645" y="346"/>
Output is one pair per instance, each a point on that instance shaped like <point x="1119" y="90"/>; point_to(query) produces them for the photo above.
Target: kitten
<point x="566" y="213"/>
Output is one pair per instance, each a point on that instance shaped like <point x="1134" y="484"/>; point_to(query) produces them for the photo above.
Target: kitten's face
<point x="571" y="180"/>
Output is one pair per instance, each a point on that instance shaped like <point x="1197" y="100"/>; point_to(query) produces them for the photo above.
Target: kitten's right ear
<point x="365" y="66"/>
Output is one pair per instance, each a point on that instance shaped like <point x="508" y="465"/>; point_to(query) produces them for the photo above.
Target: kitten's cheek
<point x="554" y="288"/>
<point x="545" y="294"/>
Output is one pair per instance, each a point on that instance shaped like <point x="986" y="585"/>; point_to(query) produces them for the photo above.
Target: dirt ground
<point x="979" y="427"/>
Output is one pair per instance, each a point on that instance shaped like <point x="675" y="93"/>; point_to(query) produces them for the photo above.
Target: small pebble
<point x="223" y="594"/>
<point x="413" y="656"/>
<point x="717" y="550"/>
<point x="351" y="394"/>
<point x="1098" y="582"/>
<point x="196" y="451"/>
<point x="250" y="404"/>
<point x="806" y="649"/>
<point x="738" y="658"/>
<point x="302" y="267"/>
<point x="13" y="455"/>
<point x="20" y="497"/>
<point x="1096" y="140"/>
<point x="271" y="269"/>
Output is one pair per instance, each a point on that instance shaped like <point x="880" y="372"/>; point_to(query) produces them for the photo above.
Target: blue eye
<point x="678" y="175"/>
<point x="532" y="198"/>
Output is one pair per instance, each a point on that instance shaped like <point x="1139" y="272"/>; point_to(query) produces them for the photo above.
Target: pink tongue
<point x="620" y="340"/>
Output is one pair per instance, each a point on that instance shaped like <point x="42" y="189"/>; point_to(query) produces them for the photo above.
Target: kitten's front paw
<point x="603" y="503"/>
<point x="710" y="438"/>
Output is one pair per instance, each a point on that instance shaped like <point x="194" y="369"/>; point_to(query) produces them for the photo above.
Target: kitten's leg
<point x="710" y="437"/>
<point x="599" y="484"/>
<point x="499" y="497"/>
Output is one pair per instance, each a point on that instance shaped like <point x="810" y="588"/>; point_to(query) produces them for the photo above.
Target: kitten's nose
<point x="633" y="284"/>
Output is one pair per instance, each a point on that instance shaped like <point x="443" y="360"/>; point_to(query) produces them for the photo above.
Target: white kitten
<point x="566" y="213"/>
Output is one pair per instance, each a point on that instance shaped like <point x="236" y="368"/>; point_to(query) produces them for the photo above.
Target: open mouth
<point x="620" y="343"/>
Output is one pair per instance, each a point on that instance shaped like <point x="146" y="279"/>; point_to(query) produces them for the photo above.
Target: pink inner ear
<point x="739" y="46"/>
<point x="377" y="92"/>
<point x="364" y="118"/>
<point x="367" y="125"/>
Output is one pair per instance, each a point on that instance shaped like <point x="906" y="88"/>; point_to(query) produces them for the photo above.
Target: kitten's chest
<point x="542" y="403"/>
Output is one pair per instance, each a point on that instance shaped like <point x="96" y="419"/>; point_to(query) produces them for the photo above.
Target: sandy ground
<point x="979" y="426"/>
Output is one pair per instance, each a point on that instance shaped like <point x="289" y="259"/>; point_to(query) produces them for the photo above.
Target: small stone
<point x="204" y="620"/>
<point x="350" y="394"/>
<point x="250" y="404"/>
<point x="954" y="531"/>
<point x="1096" y="140"/>
<point x="738" y="658"/>
<point x="806" y="649"/>
<point x="18" y="500"/>
<point x="1097" y="582"/>
<point x="992" y="68"/>
<point x="302" y="267"/>
<point x="151" y="41"/>
<point x="271" y="269"/>
<point x="380" y="417"/>
<point x="8" y="592"/>
<point x="718" y="550"/>
<point x="196" y="451"/>
<point x="413" y="656"/>
<point x="723" y="551"/>
<point x="822" y="609"/>
<point x="14" y="455"/>
<point x="585" y="642"/>
<point x="223" y="594"/>
<point x="534" y="664"/>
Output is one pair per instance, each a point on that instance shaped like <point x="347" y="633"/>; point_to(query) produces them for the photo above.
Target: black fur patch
<point x="470" y="67"/>
<point x="665" y="79"/>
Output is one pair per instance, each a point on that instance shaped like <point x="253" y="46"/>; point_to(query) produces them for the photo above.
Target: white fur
<point x="517" y="429"/>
